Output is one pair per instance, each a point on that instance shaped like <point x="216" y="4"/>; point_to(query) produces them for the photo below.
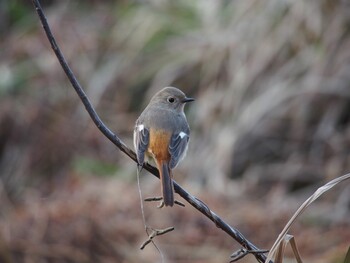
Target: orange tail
<point x="167" y="184"/>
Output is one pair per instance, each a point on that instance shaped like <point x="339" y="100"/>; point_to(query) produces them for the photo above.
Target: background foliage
<point x="270" y="124"/>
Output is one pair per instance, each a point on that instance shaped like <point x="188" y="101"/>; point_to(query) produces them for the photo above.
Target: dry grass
<point x="283" y="238"/>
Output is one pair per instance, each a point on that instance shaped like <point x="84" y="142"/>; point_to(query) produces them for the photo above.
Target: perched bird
<point x="162" y="132"/>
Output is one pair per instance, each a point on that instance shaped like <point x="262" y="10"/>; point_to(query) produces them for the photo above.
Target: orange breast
<point x="158" y="144"/>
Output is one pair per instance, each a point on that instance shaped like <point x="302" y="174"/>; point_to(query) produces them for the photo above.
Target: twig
<point x="150" y="239"/>
<point x="196" y="203"/>
<point x="154" y="233"/>
<point x="241" y="253"/>
<point x="156" y="199"/>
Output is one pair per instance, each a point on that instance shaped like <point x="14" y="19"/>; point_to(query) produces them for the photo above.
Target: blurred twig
<point x="347" y="257"/>
<point x="196" y="203"/>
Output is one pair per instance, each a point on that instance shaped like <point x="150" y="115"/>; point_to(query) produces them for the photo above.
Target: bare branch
<point x="196" y="203"/>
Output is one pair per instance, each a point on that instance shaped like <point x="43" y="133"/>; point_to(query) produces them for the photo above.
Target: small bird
<point x="162" y="132"/>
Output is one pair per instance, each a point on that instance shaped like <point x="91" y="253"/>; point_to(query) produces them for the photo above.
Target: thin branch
<point x="154" y="233"/>
<point x="160" y="199"/>
<point x="241" y="253"/>
<point x="196" y="203"/>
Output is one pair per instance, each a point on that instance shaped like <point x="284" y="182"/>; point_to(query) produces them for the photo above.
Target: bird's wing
<point x="141" y="140"/>
<point x="177" y="148"/>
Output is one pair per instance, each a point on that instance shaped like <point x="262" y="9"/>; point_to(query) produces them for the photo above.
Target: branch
<point x="196" y="203"/>
<point x="154" y="233"/>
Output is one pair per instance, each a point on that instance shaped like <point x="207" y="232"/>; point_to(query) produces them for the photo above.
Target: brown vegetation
<point x="270" y="124"/>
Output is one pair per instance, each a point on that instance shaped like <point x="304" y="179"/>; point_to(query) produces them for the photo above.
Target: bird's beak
<point x="185" y="100"/>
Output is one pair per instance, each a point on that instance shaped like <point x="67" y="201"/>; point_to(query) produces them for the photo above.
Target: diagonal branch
<point x="196" y="203"/>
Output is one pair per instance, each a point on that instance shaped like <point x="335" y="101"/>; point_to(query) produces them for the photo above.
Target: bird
<point x="162" y="132"/>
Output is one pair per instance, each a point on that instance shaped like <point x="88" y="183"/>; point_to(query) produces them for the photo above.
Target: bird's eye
<point x="171" y="99"/>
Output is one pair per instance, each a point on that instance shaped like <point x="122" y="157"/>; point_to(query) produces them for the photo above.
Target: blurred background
<point x="270" y="124"/>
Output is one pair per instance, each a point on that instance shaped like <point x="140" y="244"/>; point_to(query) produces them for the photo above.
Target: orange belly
<point x="158" y="144"/>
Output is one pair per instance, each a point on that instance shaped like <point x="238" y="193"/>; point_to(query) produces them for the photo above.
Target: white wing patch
<point x="138" y="128"/>
<point x="141" y="140"/>
<point x="182" y="135"/>
<point x="178" y="148"/>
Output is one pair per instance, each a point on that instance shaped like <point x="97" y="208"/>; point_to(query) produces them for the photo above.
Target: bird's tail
<point x="167" y="184"/>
